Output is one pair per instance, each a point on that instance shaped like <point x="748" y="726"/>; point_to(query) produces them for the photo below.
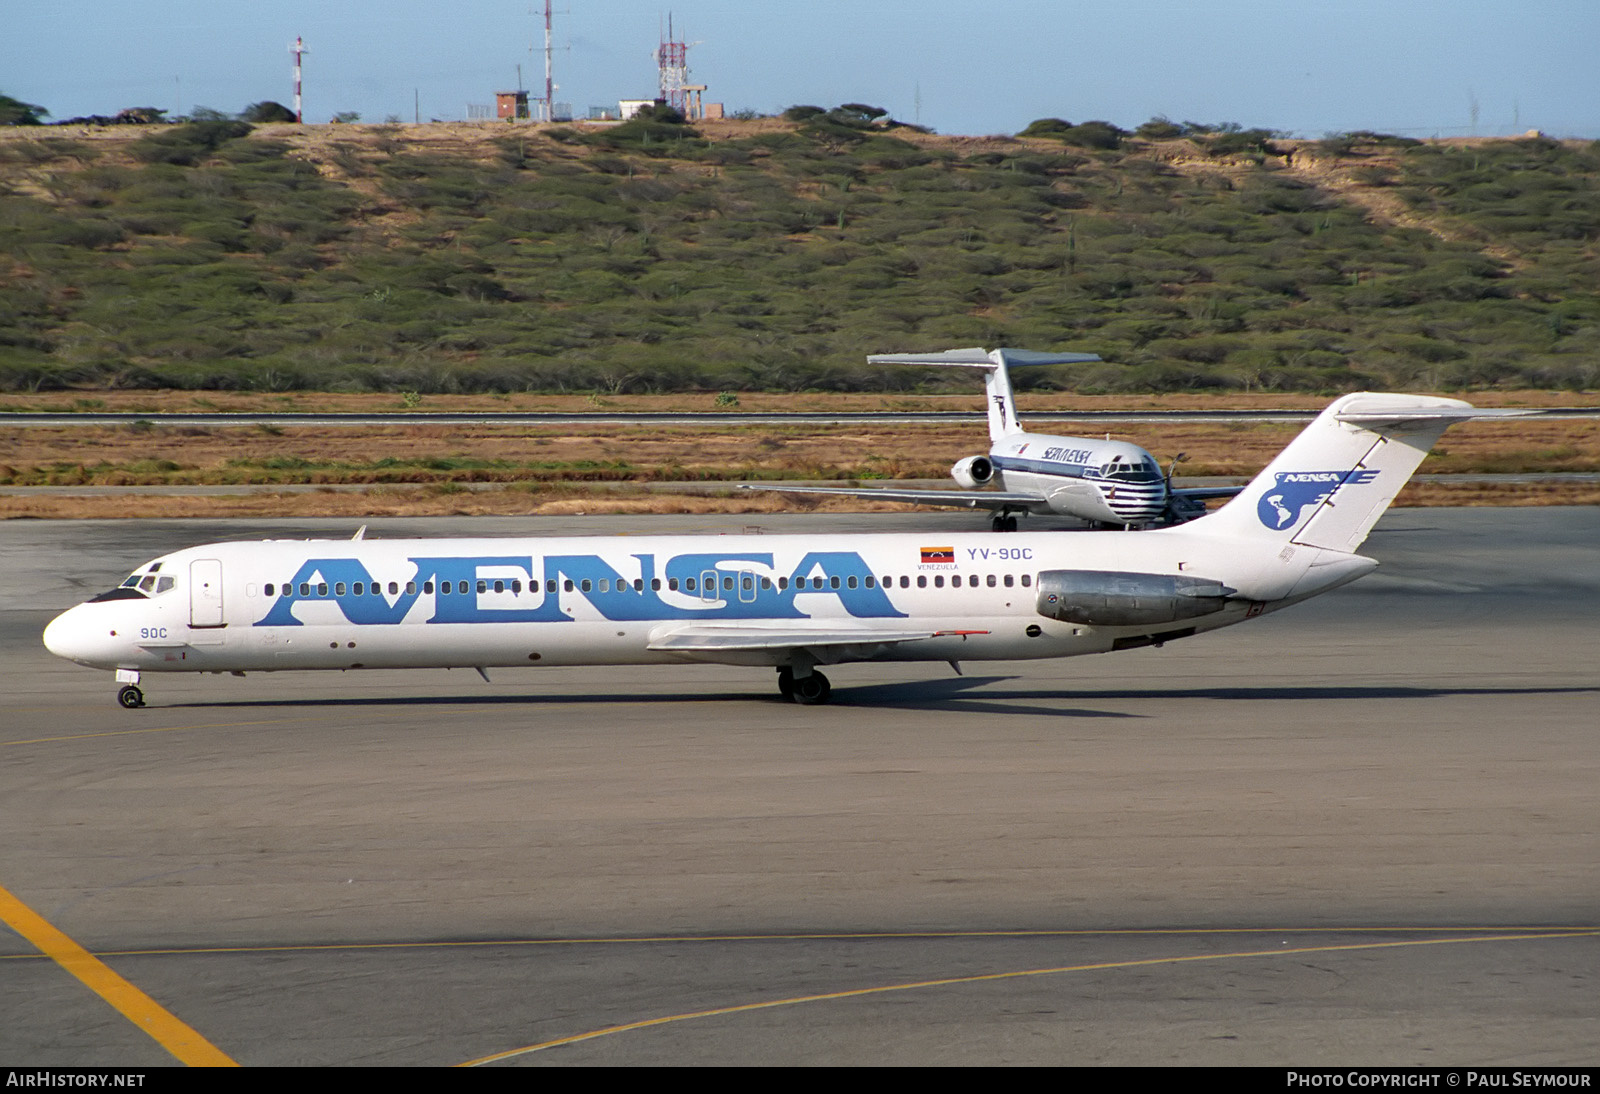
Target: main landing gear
<point x="810" y="690"/>
<point x="1003" y="522"/>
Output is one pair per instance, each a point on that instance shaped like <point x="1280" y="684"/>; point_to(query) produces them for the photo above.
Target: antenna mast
<point x="299" y="50"/>
<point x="549" y="82"/>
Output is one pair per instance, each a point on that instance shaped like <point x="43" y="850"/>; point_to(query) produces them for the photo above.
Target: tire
<point x="813" y="690"/>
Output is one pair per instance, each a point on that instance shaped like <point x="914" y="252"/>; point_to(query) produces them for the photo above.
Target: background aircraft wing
<point x="960" y="499"/>
<point x="1206" y="493"/>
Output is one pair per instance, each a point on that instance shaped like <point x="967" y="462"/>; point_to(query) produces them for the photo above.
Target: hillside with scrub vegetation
<point x="775" y="254"/>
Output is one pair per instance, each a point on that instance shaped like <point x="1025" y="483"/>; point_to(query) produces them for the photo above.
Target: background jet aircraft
<point x="1101" y="481"/>
<point x="790" y="603"/>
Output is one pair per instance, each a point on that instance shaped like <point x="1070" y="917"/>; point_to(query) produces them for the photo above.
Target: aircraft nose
<point x="65" y="635"/>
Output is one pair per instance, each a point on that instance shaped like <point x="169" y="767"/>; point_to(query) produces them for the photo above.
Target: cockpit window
<point x="121" y="592"/>
<point x="1143" y="471"/>
<point x="138" y="585"/>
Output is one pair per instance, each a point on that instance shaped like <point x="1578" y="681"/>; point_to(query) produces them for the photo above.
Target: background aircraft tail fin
<point x="1333" y="482"/>
<point x="1002" y="406"/>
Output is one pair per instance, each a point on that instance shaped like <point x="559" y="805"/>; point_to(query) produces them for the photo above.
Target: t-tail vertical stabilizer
<point x="1002" y="406"/>
<point x="1333" y="482"/>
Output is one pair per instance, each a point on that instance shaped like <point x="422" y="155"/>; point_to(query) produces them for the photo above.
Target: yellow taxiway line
<point x="161" y="1024"/>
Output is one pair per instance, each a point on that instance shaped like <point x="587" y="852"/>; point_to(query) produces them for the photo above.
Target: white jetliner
<point x="1103" y="482"/>
<point x="787" y="602"/>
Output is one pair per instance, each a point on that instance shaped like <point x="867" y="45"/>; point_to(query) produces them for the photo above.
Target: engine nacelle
<point x="973" y="472"/>
<point x="1104" y="598"/>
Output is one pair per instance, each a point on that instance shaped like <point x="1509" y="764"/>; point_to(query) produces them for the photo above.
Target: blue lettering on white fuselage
<point x="1078" y="456"/>
<point x="693" y="586"/>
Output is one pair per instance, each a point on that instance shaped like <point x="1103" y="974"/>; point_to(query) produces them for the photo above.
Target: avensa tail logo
<point x="1293" y="492"/>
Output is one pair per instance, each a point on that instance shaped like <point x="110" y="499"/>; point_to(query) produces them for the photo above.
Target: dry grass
<point x="390" y="502"/>
<point x="382" y="502"/>
<point x="119" y="456"/>
<point x="414" y="470"/>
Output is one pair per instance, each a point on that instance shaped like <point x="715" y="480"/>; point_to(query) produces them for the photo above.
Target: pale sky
<point x="1310" y="67"/>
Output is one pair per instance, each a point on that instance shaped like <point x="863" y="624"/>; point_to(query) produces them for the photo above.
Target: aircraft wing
<point x="960" y="499"/>
<point x="1206" y="493"/>
<point x="714" y="638"/>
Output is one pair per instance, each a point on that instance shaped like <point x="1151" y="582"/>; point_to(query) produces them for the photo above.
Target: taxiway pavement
<point x="1363" y="830"/>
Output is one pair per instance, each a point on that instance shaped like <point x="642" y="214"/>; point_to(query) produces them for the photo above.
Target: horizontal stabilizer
<point x="1403" y="415"/>
<point x="977" y="357"/>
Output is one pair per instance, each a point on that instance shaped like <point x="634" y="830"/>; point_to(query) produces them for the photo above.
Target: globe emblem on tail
<point x="1293" y="492"/>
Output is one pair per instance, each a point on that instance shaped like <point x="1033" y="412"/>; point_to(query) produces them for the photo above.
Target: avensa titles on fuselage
<point x="791" y="603"/>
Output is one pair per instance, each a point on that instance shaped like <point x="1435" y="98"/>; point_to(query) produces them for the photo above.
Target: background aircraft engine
<point x="972" y="472"/>
<point x="1106" y="598"/>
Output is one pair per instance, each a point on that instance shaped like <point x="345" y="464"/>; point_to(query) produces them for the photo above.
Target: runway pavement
<point x="1362" y="830"/>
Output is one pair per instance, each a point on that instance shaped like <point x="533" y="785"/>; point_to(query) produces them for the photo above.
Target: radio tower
<point x="673" y="59"/>
<point x="298" y="49"/>
<point x="549" y="84"/>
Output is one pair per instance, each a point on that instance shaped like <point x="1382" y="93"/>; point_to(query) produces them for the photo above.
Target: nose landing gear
<point x="129" y="697"/>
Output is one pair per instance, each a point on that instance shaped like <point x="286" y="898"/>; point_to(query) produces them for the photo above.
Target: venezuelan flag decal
<point x="934" y="556"/>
